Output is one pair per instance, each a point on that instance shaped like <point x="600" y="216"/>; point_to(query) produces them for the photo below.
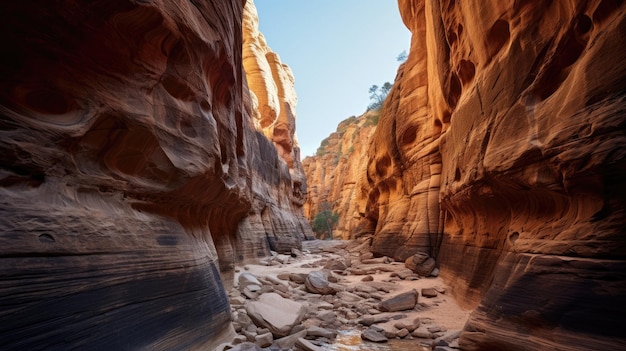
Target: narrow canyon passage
<point x="153" y="195"/>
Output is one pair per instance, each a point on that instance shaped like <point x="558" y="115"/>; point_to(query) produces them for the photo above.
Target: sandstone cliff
<point x="501" y="152"/>
<point x="275" y="220"/>
<point x="337" y="172"/>
<point x="132" y="172"/>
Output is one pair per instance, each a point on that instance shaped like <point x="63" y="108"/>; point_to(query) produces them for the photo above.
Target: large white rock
<point x="247" y="279"/>
<point x="276" y="313"/>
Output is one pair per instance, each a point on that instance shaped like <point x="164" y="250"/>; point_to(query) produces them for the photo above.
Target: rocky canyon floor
<point x="334" y="295"/>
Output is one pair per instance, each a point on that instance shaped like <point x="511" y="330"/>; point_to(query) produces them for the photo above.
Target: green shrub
<point x="343" y="125"/>
<point x="325" y="221"/>
<point x="321" y="151"/>
<point x="372" y="118"/>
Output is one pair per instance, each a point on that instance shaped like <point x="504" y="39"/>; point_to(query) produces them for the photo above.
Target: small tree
<point x="378" y="95"/>
<point x="402" y="57"/>
<point x="325" y="221"/>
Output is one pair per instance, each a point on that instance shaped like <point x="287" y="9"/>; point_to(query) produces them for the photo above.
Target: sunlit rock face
<point x="501" y="153"/>
<point x="275" y="217"/>
<point x="132" y="176"/>
<point x="336" y="174"/>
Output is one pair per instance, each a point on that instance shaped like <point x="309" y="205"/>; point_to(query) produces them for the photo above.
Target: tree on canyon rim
<point x="325" y="221"/>
<point x="402" y="57"/>
<point x="378" y="95"/>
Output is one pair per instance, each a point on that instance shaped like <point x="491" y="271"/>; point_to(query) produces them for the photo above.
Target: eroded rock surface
<point x="526" y="115"/>
<point x="132" y="175"/>
<point x="501" y="153"/>
<point x="336" y="174"/>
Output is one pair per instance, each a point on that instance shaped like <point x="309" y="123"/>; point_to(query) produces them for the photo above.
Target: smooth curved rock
<point x="317" y="282"/>
<point x="500" y="153"/>
<point x="132" y="177"/>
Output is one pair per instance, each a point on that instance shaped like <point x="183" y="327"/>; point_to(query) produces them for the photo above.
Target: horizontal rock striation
<point x="132" y="175"/>
<point x="500" y="152"/>
<point x="276" y="211"/>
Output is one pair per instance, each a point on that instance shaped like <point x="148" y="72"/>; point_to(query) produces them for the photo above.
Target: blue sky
<point x="337" y="49"/>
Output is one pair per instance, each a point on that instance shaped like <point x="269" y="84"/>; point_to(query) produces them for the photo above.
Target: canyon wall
<point x="337" y="173"/>
<point x="501" y="153"/>
<point x="135" y="168"/>
<point x="275" y="220"/>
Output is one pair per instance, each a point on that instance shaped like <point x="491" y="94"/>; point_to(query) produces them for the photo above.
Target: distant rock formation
<point x="132" y="172"/>
<point x="278" y="183"/>
<point x="337" y="174"/>
<point x="501" y="153"/>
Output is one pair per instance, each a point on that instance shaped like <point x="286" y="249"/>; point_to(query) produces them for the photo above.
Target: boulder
<point x="403" y="273"/>
<point x="368" y="278"/>
<point x="297" y="277"/>
<point x="413" y="261"/>
<point x="348" y="297"/>
<point x="420" y="263"/>
<point x="429" y="292"/>
<point x="296" y="253"/>
<point x="400" y="302"/>
<point x="283" y="276"/>
<point x="336" y="265"/>
<point x="371" y="334"/>
<point x="249" y="285"/>
<point x="369" y="320"/>
<point x="276" y="313"/>
<point x="237" y="300"/>
<point x="250" y="294"/>
<point x="365" y="288"/>
<point x="402" y="333"/>
<point x="307" y="345"/>
<point x="422" y="333"/>
<point x="321" y="332"/>
<point x="327" y="316"/>
<point x="264" y="340"/>
<point x="383" y="259"/>
<point x="317" y="282"/>
<point x="289" y="341"/>
<point x="415" y="323"/>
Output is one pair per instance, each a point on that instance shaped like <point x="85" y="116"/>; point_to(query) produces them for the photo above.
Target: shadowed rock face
<point x="131" y="174"/>
<point x="501" y="153"/>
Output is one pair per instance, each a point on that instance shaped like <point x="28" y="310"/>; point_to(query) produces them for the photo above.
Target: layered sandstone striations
<point x="132" y="174"/>
<point x="275" y="220"/>
<point x="501" y="152"/>
<point x="337" y="172"/>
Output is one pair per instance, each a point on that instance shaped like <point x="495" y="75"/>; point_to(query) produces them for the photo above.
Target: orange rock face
<point x="132" y="174"/>
<point x="336" y="174"/>
<point x="501" y="152"/>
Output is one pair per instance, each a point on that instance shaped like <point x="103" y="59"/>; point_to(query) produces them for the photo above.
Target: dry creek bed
<point x="303" y="300"/>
